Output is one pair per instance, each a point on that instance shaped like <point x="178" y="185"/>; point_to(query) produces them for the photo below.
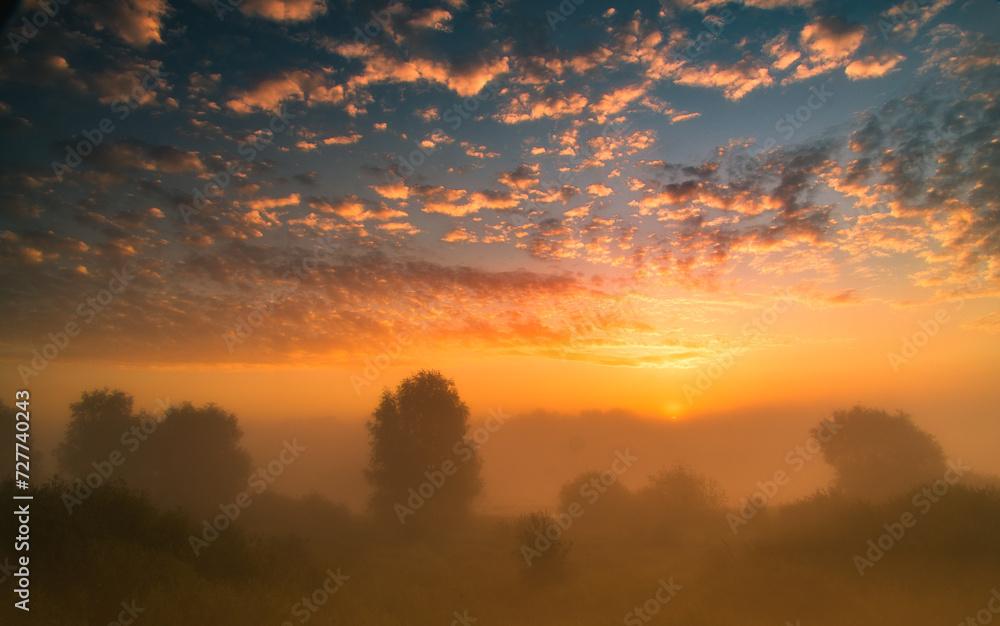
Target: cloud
<point x="960" y="54"/>
<point x="428" y="114"/>
<point x="283" y="10"/>
<point x="616" y="101"/>
<point x="989" y="323"/>
<point x="874" y="66"/>
<point x="706" y="5"/>
<point x="828" y="44"/>
<point x="439" y="193"/>
<point x="342" y="140"/>
<point x="134" y="154"/>
<point x="781" y="51"/>
<point x="466" y="77"/>
<point x="259" y="204"/>
<point x="270" y="93"/>
<point x="355" y="208"/>
<point x="400" y="227"/>
<point x="434" y="18"/>
<point x="832" y="38"/>
<point x="599" y="190"/>
<point x="124" y="83"/>
<point x="523" y="178"/>
<point x="903" y="20"/>
<point x="137" y="22"/>
<point x="531" y="106"/>
<point x="735" y="80"/>
<point x="683" y="117"/>
<point x="437" y="138"/>
<point x="490" y="199"/>
<point x="616" y="144"/>
<point x="447" y="208"/>
<point x="458" y="235"/>
<point x="478" y="152"/>
<point x="395" y="191"/>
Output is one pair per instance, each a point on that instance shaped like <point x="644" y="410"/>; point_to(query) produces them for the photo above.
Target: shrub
<point x="543" y="550"/>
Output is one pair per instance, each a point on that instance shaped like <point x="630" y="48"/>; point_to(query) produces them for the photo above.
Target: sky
<point x="672" y="208"/>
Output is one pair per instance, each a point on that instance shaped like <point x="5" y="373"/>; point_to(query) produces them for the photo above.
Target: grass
<point x="791" y="565"/>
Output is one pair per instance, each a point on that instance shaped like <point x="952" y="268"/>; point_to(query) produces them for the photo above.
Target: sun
<point x="673" y="410"/>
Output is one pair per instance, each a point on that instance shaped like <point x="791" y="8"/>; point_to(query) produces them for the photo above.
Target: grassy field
<point x="790" y="565"/>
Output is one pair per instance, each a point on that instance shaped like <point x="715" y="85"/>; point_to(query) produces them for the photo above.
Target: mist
<point x="538" y="518"/>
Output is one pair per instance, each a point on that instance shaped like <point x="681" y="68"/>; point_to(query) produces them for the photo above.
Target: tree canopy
<point x="190" y="457"/>
<point x="877" y="455"/>
<point x="424" y="472"/>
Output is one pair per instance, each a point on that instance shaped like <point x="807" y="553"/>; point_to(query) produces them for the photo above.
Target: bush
<point x="542" y="556"/>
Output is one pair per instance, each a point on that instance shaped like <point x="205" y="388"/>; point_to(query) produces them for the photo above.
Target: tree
<point x="604" y="501"/>
<point x="97" y="423"/>
<point x="679" y="499"/>
<point x="876" y="455"/>
<point x="190" y="458"/>
<point x="542" y="547"/>
<point x="424" y="471"/>
<point x="194" y="459"/>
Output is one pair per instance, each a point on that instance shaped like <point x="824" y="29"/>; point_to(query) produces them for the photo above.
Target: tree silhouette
<point x="190" y="458"/>
<point x="424" y="472"/>
<point x="680" y="487"/>
<point x="678" y="499"/>
<point x="194" y="458"/>
<point x="605" y="503"/>
<point x="876" y="455"/>
<point x="97" y="423"/>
